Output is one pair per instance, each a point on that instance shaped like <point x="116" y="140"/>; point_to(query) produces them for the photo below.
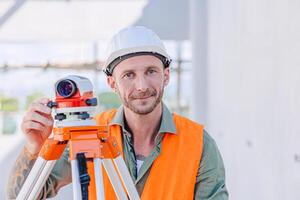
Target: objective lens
<point x="66" y="88"/>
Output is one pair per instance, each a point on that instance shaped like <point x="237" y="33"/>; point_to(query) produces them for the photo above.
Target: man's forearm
<point x="19" y="173"/>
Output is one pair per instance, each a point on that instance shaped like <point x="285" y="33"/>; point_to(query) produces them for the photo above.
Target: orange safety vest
<point x="173" y="173"/>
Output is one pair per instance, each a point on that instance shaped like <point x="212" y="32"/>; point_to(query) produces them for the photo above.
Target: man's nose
<point x="141" y="84"/>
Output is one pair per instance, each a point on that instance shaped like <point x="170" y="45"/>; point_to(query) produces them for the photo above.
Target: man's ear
<point x="111" y="82"/>
<point x="166" y="76"/>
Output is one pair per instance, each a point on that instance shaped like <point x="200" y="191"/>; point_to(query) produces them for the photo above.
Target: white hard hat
<point x="134" y="41"/>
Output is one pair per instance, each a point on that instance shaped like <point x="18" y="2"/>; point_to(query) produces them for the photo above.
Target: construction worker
<point x="168" y="156"/>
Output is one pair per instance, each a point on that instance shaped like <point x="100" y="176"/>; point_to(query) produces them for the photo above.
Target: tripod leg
<point x="75" y="181"/>
<point x="114" y="179"/>
<point x="99" y="179"/>
<point x="36" y="179"/>
<point x="126" y="178"/>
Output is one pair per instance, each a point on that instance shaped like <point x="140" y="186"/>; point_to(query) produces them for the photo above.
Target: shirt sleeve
<point x="210" y="181"/>
<point x="60" y="176"/>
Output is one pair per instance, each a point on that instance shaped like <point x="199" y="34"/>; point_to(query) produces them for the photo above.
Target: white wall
<point x="253" y="92"/>
<point x="247" y="68"/>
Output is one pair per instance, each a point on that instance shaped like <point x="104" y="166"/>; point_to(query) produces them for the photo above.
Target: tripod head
<point x="74" y="101"/>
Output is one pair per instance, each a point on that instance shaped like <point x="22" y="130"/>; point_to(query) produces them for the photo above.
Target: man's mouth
<point x="142" y="96"/>
<point x="145" y="97"/>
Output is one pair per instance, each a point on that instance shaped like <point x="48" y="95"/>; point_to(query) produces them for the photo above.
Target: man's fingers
<point x="39" y="107"/>
<point x="30" y="125"/>
<point x="42" y="100"/>
<point x="36" y="117"/>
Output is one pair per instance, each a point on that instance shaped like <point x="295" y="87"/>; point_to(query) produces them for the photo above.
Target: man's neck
<point x="144" y="128"/>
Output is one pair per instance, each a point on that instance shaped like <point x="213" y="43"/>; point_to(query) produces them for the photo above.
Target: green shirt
<point x="210" y="180"/>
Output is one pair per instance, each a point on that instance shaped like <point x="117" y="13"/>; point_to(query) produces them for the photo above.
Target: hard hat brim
<point x="123" y="54"/>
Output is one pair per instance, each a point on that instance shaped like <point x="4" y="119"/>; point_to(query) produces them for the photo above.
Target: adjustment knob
<point x="83" y="115"/>
<point x="60" y="116"/>
<point x="91" y="102"/>
<point x="51" y="104"/>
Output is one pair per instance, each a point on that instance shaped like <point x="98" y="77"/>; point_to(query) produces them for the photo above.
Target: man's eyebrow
<point x="126" y="71"/>
<point x="132" y="70"/>
<point x="152" y="66"/>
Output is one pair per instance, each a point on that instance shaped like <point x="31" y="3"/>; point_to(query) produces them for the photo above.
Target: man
<point x="168" y="156"/>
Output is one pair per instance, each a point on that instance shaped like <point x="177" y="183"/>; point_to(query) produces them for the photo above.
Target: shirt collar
<point x="167" y="124"/>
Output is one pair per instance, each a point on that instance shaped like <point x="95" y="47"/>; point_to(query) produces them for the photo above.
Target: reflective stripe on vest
<point x="173" y="172"/>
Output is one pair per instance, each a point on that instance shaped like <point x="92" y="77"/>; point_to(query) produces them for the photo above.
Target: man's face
<point x="140" y="83"/>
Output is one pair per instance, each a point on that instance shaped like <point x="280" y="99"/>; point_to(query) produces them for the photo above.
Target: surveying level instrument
<point x="91" y="146"/>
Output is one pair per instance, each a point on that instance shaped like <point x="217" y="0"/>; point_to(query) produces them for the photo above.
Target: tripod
<point x="91" y="147"/>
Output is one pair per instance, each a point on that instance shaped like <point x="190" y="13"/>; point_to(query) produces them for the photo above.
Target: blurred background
<point x="236" y="69"/>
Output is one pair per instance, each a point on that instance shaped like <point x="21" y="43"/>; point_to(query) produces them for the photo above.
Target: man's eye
<point x="128" y="75"/>
<point x="151" y="71"/>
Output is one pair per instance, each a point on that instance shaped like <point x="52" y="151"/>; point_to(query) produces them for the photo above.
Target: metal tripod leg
<point x="36" y="179"/>
<point x="42" y="168"/>
<point x="126" y="178"/>
<point x="75" y="181"/>
<point x="114" y="179"/>
<point x="99" y="179"/>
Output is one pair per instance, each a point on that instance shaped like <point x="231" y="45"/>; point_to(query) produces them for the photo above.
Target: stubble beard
<point x="128" y="102"/>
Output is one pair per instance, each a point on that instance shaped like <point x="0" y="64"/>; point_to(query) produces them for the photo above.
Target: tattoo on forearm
<point x="19" y="173"/>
